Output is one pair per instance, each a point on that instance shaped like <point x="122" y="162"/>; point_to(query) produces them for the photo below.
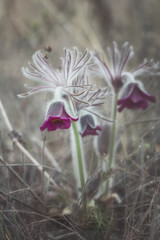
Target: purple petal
<point x="58" y="109"/>
<point x="88" y="126"/>
<point x="150" y="98"/>
<point x="137" y="98"/>
<point x="52" y="123"/>
<point x="91" y="131"/>
<point x="85" y="121"/>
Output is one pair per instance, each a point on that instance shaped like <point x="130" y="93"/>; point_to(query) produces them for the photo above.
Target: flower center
<point x="56" y="120"/>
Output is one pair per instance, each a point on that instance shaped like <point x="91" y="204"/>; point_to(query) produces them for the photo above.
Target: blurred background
<point x="27" y="26"/>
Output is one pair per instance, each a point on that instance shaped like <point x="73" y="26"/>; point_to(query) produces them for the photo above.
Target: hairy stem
<point x="78" y="155"/>
<point x="112" y="149"/>
<point x="78" y="162"/>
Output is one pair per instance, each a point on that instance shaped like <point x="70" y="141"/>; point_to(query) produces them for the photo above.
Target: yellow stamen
<point x="56" y="120"/>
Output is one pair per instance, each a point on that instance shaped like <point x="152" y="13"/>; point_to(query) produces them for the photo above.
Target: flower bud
<point x="103" y="140"/>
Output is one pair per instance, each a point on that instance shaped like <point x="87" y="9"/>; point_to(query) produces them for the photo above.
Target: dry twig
<point x="22" y="149"/>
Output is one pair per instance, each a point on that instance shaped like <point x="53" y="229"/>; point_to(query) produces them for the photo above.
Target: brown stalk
<point x="23" y="149"/>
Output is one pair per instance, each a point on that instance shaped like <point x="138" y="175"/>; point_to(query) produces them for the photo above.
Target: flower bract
<point x="73" y="66"/>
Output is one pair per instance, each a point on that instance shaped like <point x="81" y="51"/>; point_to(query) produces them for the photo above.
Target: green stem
<point x="112" y="150"/>
<point x="79" y="164"/>
<point x="79" y="154"/>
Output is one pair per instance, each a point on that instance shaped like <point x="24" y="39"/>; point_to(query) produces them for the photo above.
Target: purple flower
<point x="69" y="82"/>
<point x="115" y="72"/>
<point x="88" y="126"/>
<point x="57" y="117"/>
<point x="135" y="97"/>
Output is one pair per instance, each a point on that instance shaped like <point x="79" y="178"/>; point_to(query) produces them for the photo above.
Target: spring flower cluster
<point x="71" y="83"/>
<point x="72" y="80"/>
<point x="74" y="94"/>
<point x="76" y="99"/>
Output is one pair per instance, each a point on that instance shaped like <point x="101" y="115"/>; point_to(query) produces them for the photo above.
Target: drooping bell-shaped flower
<point x="57" y="117"/>
<point x="135" y="97"/>
<point x="88" y="126"/>
<point x="115" y="70"/>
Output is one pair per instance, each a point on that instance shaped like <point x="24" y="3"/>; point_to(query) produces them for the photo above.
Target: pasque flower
<point x="70" y="80"/>
<point x="115" y="73"/>
<point x="57" y="117"/>
<point x="72" y="92"/>
<point x="88" y="126"/>
<point x="135" y="97"/>
<point x="113" y="70"/>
